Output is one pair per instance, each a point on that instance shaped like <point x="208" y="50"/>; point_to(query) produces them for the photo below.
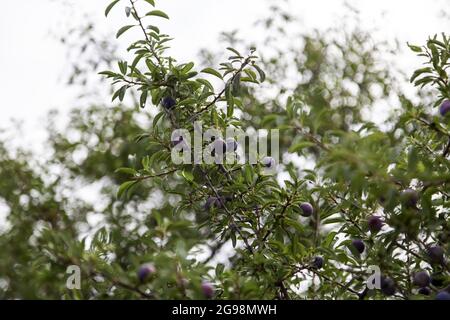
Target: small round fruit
<point x="168" y="103"/>
<point x="207" y="289"/>
<point x="211" y="202"/>
<point x="437" y="279"/>
<point x="443" y="295"/>
<point x="421" y="279"/>
<point x="317" y="262"/>
<point x="359" y="245"/>
<point x="375" y="224"/>
<point x="445" y="108"/>
<point x="436" y="254"/>
<point x="268" y="162"/>
<point x="307" y="209"/>
<point x="425" y="291"/>
<point x="145" y="271"/>
<point x="387" y="286"/>
<point x="409" y="198"/>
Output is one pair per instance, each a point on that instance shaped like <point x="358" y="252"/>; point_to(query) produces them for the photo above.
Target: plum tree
<point x="382" y="185"/>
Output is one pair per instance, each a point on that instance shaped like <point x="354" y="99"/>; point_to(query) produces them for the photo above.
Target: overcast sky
<point x="32" y="61"/>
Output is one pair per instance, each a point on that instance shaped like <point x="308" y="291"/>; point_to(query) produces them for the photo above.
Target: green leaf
<point x="157" y="117"/>
<point x="262" y="74"/>
<point x="152" y="2"/>
<point x="143" y="98"/>
<point x="206" y="83"/>
<point x="235" y="52"/>
<point x="236" y="86"/>
<point x="248" y="174"/>
<point x="123" y="66"/>
<point x="111" y="5"/>
<point x="415" y="48"/>
<point x="188" y="67"/>
<point x="123" y="30"/>
<point x="158" y="13"/>
<point x="329" y="239"/>
<point x="213" y="72"/>
<point x="109" y="74"/>
<point x="130" y="171"/>
<point x="124" y="187"/>
<point x="187" y="175"/>
<point x="299" y="146"/>
<point x="219" y="269"/>
<point x="156" y="29"/>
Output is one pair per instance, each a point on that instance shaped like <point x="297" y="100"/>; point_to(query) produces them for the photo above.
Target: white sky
<point x="32" y="61"/>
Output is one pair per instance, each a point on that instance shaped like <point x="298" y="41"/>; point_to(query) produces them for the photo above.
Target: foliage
<point x="150" y="210"/>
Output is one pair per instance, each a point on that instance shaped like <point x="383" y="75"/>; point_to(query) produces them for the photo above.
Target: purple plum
<point x="445" y="108"/>
<point x="145" y="271"/>
<point x="207" y="289"/>
<point x="421" y="279"/>
<point x="307" y="209"/>
<point x="168" y="103"/>
<point x="375" y="223"/>
<point x="359" y="245"/>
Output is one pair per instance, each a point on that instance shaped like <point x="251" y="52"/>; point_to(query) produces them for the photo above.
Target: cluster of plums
<point x="435" y="253"/>
<point x="148" y="270"/>
<point x="423" y="280"/>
